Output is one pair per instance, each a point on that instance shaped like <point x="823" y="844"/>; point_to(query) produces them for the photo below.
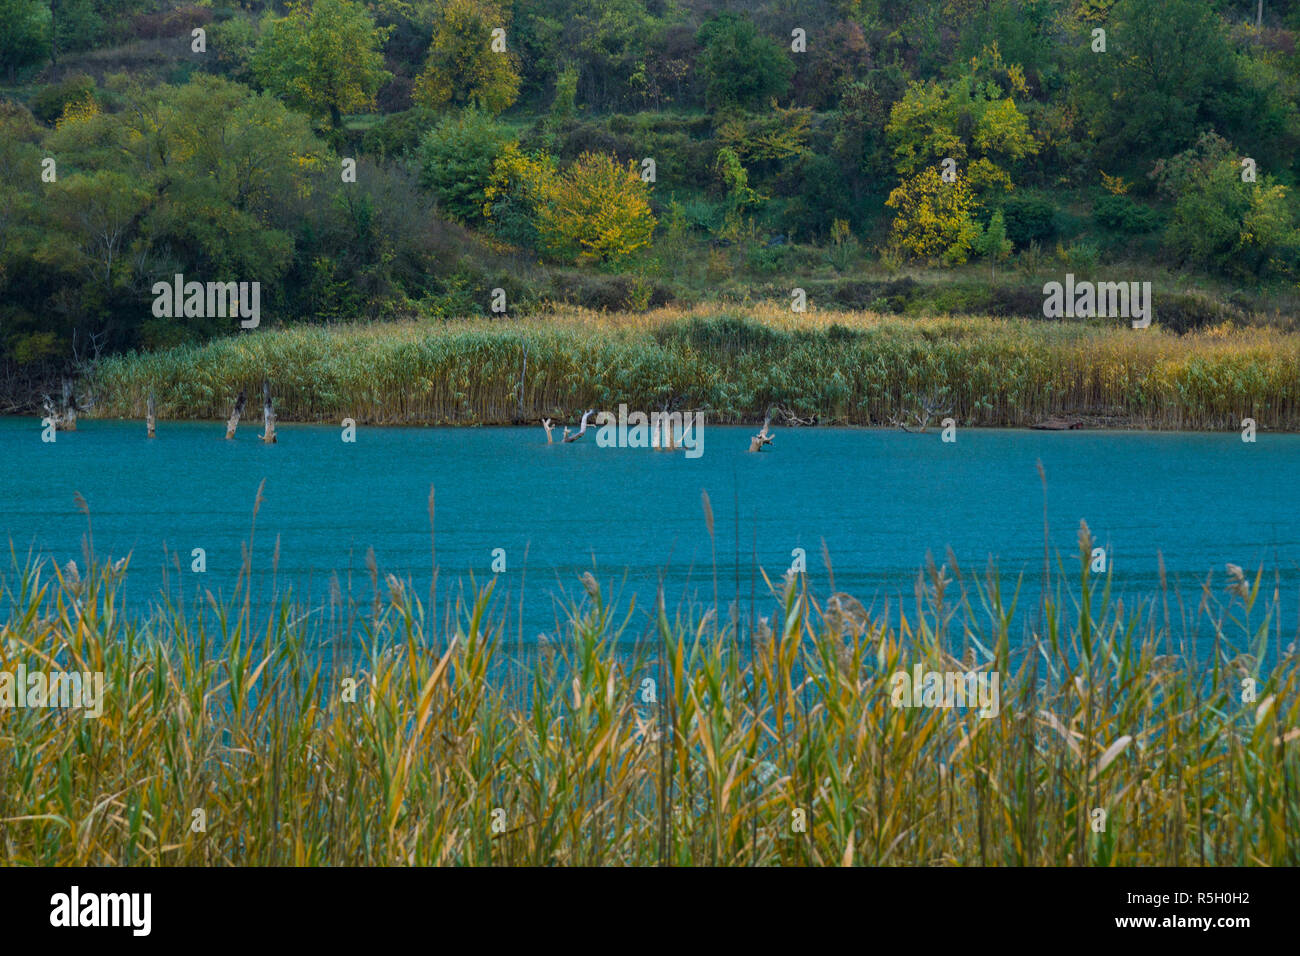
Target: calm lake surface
<point x="879" y="499"/>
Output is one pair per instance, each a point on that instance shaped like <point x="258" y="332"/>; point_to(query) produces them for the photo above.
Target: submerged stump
<point x="235" y="415"/>
<point x="68" y="420"/>
<point x="764" y="437"/>
<point x="268" y="415"/>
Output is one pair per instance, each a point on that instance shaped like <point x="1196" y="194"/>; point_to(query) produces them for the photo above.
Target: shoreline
<point x="850" y="368"/>
<point x="933" y="429"/>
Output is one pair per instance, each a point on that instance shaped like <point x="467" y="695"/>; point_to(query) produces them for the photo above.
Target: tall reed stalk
<point x="443" y="759"/>
<point x="854" y="368"/>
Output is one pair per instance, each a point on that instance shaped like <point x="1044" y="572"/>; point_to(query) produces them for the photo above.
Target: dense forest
<point x="446" y="158"/>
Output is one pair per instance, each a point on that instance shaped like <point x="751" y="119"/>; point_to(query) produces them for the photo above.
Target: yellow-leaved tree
<point x="972" y="120"/>
<point x="934" y="219"/>
<point x="470" y="62"/>
<point x="594" y="211"/>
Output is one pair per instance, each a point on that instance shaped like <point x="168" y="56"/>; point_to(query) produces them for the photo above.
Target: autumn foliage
<point x="934" y="219"/>
<point x="593" y="211"/>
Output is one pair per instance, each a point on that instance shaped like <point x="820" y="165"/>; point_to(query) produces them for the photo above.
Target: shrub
<point x="1124" y="215"/>
<point x="609" y="293"/>
<point x="1222" y="223"/>
<point x="1184" y="312"/>
<point x="398" y="133"/>
<point x="456" y="162"/>
<point x="48" y="105"/>
<point x="892" y="296"/>
<point x="1016" y="299"/>
<point x="1029" y="219"/>
<point x="993" y="243"/>
<point x="575" y="137"/>
<point x="1080" y="255"/>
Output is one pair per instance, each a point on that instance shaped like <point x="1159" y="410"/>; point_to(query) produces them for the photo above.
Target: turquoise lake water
<point x="880" y="500"/>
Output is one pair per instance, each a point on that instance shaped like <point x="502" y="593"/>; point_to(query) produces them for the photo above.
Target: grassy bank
<point x="575" y="763"/>
<point x="845" y="367"/>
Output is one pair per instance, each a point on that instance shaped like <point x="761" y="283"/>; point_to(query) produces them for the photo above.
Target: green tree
<point x="740" y="66"/>
<point x="78" y="24"/>
<point x="993" y="243"/>
<point x="20" y="156"/>
<point x="456" y="162"/>
<point x="323" y="58"/>
<point x="207" y="178"/>
<point x="563" y="106"/>
<point x="95" y="214"/>
<point x="24" y="35"/>
<point x="1169" y="72"/>
<point x="463" y="68"/>
<point x="611" y="40"/>
<point x="1223" y="223"/>
<point x="233" y="43"/>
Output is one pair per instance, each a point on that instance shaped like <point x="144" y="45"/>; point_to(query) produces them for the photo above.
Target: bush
<point x="765" y="260"/>
<point x="48" y="105"/>
<point x="576" y="137"/>
<point x="893" y="296"/>
<point x="934" y="218"/>
<point x="1122" y="214"/>
<point x="1241" y="229"/>
<point x="456" y="161"/>
<point x="1015" y="299"/>
<point x="1185" y="312"/>
<point x="608" y="293"/>
<point x="1219" y="222"/>
<point x="1080" y="255"/>
<point x="399" y="133"/>
<point x="824" y="196"/>
<point x="702" y="215"/>
<point x="1029" y="219"/>
<point x="682" y="148"/>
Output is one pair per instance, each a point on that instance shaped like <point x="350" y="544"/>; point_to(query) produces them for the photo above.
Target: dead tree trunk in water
<point x="69" y="423"/>
<point x="234" y="415"/>
<point x="149" y="416"/>
<point x="268" y="415"/>
<point x="661" y="432"/>
<point x="51" y="413"/>
<point x="764" y="437"/>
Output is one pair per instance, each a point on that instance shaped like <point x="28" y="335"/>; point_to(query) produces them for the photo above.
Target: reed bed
<point x="841" y="367"/>
<point x="448" y="756"/>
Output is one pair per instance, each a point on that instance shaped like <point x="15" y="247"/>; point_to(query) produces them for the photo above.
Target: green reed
<point x="853" y="368"/>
